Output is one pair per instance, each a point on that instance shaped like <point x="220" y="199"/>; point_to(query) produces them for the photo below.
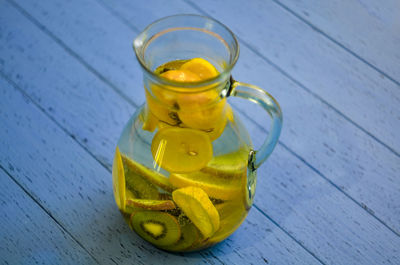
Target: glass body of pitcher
<point x="184" y="170"/>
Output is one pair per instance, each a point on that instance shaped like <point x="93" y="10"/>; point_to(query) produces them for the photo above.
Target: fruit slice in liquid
<point x="118" y="180"/>
<point x="160" y="229"/>
<point x="201" y="67"/>
<point x="154" y="205"/>
<point x="196" y="205"/>
<point x="150" y="175"/>
<point x="229" y="165"/>
<point x="189" y="237"/>
<point x="181" y="149"/>
<point x="215" y="187"/>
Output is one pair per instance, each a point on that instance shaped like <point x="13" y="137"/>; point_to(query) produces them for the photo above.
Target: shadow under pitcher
<point x="184" y="170"/>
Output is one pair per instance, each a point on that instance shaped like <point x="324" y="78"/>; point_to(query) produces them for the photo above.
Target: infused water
<point x="180" y="171"/>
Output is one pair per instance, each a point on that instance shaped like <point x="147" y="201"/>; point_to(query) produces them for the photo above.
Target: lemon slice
<point x="218" y="188"/>
<point x="181" y="150"/>
<point x="118" y="176"/>
<point x="198" y="116"/>
<point x="181" y="76"/>
<point x="196" y="205"/>
<point x="200" y="67"/>
<point x="229" y="165"/>
<point x="159" y="106"/>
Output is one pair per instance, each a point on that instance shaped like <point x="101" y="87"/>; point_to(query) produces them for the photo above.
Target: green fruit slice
<point x="158" y="228"/>
<point x="218" y="188"/>
<point x="196" y="205"/>
<point x="154" y="205"/>
<point x="140" y="188"/>
<point x="229" y="165"/>
<point x="118" y="176"/>
<point x="152" y="176"/>
<point x="190" y="236"/>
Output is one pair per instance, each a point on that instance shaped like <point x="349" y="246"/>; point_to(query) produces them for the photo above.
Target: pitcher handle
<point x="268" y="103"/>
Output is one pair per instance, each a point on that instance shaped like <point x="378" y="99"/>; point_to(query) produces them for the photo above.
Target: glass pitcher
<point x="184" y="171"/>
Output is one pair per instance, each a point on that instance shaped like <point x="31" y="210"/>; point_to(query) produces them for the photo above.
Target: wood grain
<point x="278" y="198"/>
<point x="326" y="140"/>
<point x="77" y="189"/>
<point x="352" y="89"/>
<point x="325" y="155"/>
<point x="329" y="152"/>
<point x="366" y="28"/>
<point x="27" y="234"/>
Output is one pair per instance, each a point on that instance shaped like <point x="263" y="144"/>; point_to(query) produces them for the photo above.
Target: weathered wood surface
<point x="366" y="28"/>
<point x="350" y="87"/>
<point x="84" y="203"/>
<point x="74" y="60"/>
<point x="79" y="197"/>
<point x="76" y="30"/>
<point x="30" y="235"/>
<point x="336" y="143"/>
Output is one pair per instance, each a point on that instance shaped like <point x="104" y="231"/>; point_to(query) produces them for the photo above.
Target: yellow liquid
<point x="161" y="159"/>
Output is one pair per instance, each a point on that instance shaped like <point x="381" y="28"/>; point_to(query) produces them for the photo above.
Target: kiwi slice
<point x="217" y="188"/>
<point x="158" y="228"/>
<point x="140" y="187"/>
<point x="189" y="237"/>
<point x="154" y="205"/>
<point x="152" y="176"/>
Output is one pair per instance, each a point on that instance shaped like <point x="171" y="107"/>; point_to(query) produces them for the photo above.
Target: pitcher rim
<point x="172" y="85"/>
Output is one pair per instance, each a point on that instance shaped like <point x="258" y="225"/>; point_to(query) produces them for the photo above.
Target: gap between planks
<point x="327" y="36"/>
<point x="286" y="74"/>
<point x="127" y="23"/>
<point x="12" y="83"/>
<point x="103" y="79"/>
<point x="125" y="97"/>
<point x="20" y="90"/>
<point x="61" y="227"/>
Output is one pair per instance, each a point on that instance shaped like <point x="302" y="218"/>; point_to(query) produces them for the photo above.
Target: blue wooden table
<point x="330" y="192"/>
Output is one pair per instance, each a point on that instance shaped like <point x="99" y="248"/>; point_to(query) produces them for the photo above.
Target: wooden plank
<point x="83" y="203"/>
<point x="299" y="127"/>
<point x="330" y="225"/>
<point x="27" y="234"/>
<point x="302" y="224"/>
<point x="339" y="151"/>
<point x="335" y="149"/>
<point x="80" y="87"/>
<point x="90" y="214"/>
<point x="368" y="29"/>
<point x="353" y="89"/>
